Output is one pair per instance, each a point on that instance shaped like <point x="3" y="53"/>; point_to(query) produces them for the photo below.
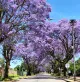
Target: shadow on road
<point x="44" y="77"/>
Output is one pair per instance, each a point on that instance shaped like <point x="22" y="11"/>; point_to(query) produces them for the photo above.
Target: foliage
<point x="77" y="64"/>
<point x="26" y="32"/>
<point x="2" y="61"/>
<point x="26" y="13"/>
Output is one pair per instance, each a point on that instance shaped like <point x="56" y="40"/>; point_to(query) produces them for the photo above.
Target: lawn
<point x="11" y="78"/>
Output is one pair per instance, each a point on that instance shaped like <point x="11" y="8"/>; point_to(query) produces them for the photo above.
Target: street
<point x="42" y="77"/>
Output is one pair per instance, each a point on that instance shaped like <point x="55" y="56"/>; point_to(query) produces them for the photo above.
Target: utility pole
<point x="72" y="23"/>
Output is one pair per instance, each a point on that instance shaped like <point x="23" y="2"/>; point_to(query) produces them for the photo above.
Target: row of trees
<point x="30" y="69"/>
<point x="16" y="18"/>
<point x="26" y="32"/>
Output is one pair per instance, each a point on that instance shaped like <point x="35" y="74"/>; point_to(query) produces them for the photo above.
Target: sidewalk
<point x="72" y="80"/>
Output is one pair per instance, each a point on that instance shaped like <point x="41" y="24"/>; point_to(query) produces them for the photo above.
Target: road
<point x="42" y="77"/>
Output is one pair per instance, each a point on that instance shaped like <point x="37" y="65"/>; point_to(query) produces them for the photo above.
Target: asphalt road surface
<point x="42" y="77"/>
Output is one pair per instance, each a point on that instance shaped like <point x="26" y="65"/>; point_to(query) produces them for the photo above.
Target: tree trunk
<point x="0" y="17"/>
<point x="6" y="69"/>
<point x="64" y="71"/>
<point x="2" y="71"/>
<point x="28" y="69"/>
<point x="28" y="72"/>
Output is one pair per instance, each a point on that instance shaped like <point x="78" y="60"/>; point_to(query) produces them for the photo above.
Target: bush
<point x="78" y="72"/>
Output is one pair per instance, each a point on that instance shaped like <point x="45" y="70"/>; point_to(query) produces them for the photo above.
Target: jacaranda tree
<point x="20" y="16"/>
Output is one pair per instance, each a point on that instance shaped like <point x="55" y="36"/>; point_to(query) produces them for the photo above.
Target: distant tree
<point x="77" y="64"/>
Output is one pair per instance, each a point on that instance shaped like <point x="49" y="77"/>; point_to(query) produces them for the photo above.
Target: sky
<point x="61" y="9"/>
<point x="64" y="9"/>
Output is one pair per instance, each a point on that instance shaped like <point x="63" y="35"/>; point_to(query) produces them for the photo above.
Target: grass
<point x="0" y="78"/>
<point x="11" y="78"/>
<point x="16" y="77"/>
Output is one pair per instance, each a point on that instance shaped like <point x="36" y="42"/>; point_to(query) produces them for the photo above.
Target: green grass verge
<point x="0" y="78"/>
<point x="11" y="78"/>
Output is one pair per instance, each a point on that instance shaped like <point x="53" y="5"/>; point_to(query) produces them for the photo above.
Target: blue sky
<point x="61" y="9"/>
